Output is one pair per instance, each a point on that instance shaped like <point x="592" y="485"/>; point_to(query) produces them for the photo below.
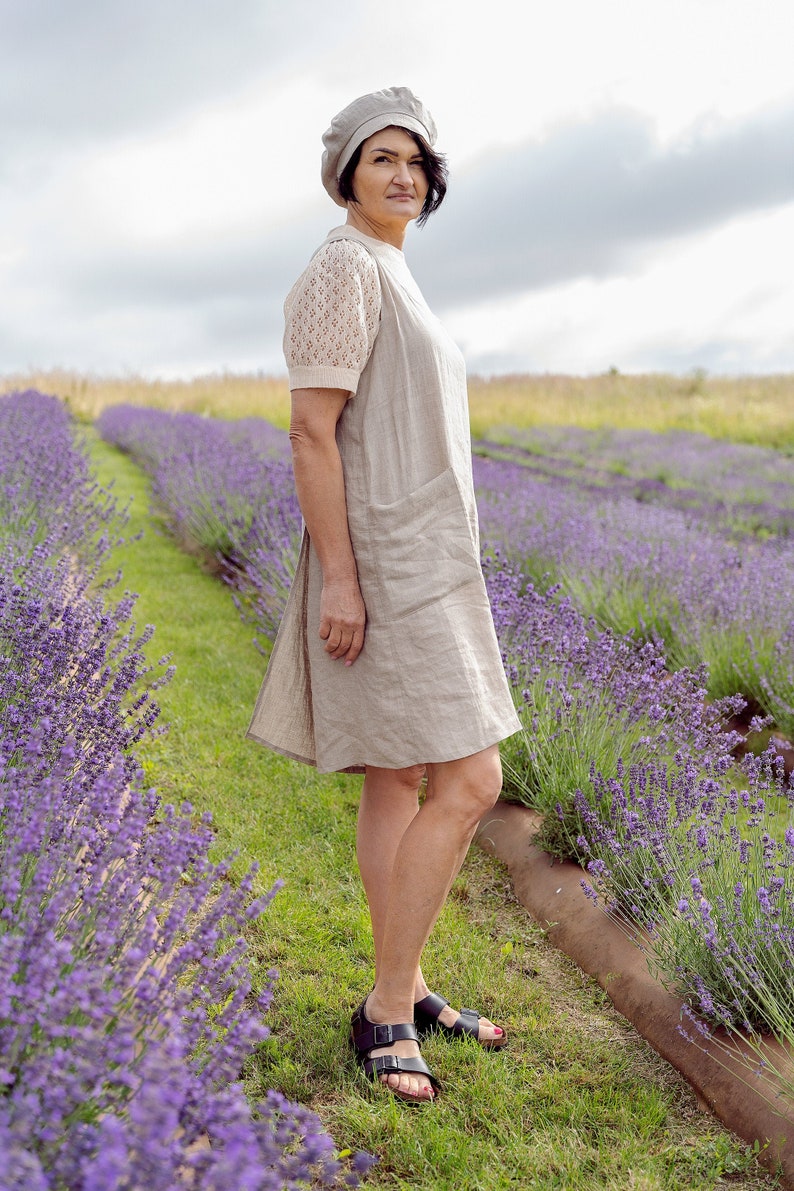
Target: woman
<point x="386" y="661"/>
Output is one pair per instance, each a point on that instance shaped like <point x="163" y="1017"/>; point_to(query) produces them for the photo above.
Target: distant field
<point x="749" y="409"/>
<point x="753" y="409"/>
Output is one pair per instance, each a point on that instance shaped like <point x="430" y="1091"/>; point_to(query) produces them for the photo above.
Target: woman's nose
<point x="402" y="173"/>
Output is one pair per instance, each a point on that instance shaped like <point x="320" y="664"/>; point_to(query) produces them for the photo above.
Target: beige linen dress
<point x="429" y="684"/>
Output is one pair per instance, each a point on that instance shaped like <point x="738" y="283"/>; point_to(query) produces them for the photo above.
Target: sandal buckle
<point x="382" y="1035"/>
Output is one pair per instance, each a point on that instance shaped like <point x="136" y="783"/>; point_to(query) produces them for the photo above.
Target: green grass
<point x="578" y="1101"/>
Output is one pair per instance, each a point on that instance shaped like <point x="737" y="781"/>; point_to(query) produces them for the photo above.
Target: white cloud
<point x="498" y="72"/>
<point x="722" y="302"/>
<point x="159" y="181"/>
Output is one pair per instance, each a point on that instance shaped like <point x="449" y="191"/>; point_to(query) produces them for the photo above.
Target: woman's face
<point x="389" y="182"/>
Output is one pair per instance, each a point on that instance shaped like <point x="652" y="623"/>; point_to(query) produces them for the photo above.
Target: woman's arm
<point x="320" y="485"/>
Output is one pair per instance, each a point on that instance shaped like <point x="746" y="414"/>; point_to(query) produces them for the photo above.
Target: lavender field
<point x="642" y="610"/>
<point x="641" y="592"/>
<point x="125" y="986"/>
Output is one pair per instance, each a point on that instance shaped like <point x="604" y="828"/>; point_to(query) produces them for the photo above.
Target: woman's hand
<point x="342" y="619"/>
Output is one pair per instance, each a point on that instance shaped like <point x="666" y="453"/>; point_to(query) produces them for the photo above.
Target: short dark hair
<point x="434" y="165"/>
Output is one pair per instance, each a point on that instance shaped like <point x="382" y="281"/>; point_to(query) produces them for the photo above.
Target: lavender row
<point x="677" y="844"/>
<point x="125" y="987"/>
<point x="637" y="779"/>
<point x="741" y="487"/>
<point x="53" y="506"/>
<point x="225" y="489"/>
<point x="591" y="703"/>
<point x="657" y="574"/>
<point x="71" y="655"/>
<point x="706" y="869"/>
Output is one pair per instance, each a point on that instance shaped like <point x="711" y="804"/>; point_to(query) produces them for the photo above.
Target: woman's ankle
<point x="388" y="1010"/>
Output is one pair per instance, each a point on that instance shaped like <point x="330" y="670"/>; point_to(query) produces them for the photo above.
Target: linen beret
<point x="365" y="116"/>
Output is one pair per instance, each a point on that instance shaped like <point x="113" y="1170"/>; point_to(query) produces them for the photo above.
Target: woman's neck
<point x="391" y="233"/>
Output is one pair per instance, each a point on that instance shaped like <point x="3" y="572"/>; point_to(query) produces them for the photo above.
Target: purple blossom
<point x="226" y="490"/>
<point x="126" y="998"/>
<point x="674" y="575"/>
<point x="576" y="683"/>
<point x="718" y="897"/>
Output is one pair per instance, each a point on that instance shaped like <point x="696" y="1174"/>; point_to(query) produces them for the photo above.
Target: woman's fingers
<point x="342" y="623"/>
<point x="340" y="642"/>
<point x="355" y="647"/>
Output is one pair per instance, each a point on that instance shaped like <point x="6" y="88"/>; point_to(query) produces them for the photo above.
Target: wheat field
<point x="754" y="409"/>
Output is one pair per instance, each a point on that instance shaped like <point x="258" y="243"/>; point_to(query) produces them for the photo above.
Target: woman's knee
<point x="485" y="778"/>
<point x="472" y="784"/>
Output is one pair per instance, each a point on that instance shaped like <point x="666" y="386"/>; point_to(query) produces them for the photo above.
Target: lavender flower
<point x="226" y="490"/>
<point x="590" y="702"/>
<point x="126" y="997"/>
<point x="706" y="869"/>
<point x="664" y="574"/>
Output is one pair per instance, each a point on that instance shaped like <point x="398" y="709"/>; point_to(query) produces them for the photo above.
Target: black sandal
<point x="366" y="1036"/>
<point x="428" y="1010"/>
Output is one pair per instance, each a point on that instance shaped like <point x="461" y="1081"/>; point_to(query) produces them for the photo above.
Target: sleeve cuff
<point x="302" y="377"/>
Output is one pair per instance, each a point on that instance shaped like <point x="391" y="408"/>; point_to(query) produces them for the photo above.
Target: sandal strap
<point x="394" y="1065"/>
<point x="428" y="1010"/>
<point x="372" y="1036"/>
<point x="366" y="1034"/>
<point x="468" y="1023"/>
<point x="431" y="1005"/>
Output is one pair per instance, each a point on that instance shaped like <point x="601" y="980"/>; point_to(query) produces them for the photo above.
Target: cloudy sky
<point x="622" y="177"/>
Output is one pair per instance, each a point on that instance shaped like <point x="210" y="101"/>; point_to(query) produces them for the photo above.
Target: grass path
<point x="576" y="1102"/>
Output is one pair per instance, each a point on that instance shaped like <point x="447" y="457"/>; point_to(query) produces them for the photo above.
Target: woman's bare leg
<point x="407" y="879"/>
<point x="389" y="802"/>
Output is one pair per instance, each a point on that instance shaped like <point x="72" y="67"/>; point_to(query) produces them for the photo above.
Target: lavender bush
<point x="588" y="699"/>
<point x="225" y="488"/>
<point x="48" y="500"/>
<point x="73" y="660"/>
<point x="126" y="1011"/>
<point x="126" y="1005"/>
<point x="707" y="869"/>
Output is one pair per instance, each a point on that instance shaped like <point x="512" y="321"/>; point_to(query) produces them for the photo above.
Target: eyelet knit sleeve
<point x="332" y="316"/>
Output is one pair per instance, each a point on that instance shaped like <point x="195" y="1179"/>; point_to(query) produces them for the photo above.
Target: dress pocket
<point x="423" y="546"/>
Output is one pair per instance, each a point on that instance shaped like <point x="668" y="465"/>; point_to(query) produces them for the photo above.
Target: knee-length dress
<point x="429" y="684"/>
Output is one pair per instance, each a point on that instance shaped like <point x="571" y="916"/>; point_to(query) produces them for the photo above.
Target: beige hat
<point x="365" y="116"/>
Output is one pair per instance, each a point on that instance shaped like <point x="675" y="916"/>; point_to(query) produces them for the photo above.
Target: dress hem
<point x="360" y="767"/>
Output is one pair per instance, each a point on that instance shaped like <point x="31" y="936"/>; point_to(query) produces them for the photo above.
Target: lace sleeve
<point x="332" y="317"/>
